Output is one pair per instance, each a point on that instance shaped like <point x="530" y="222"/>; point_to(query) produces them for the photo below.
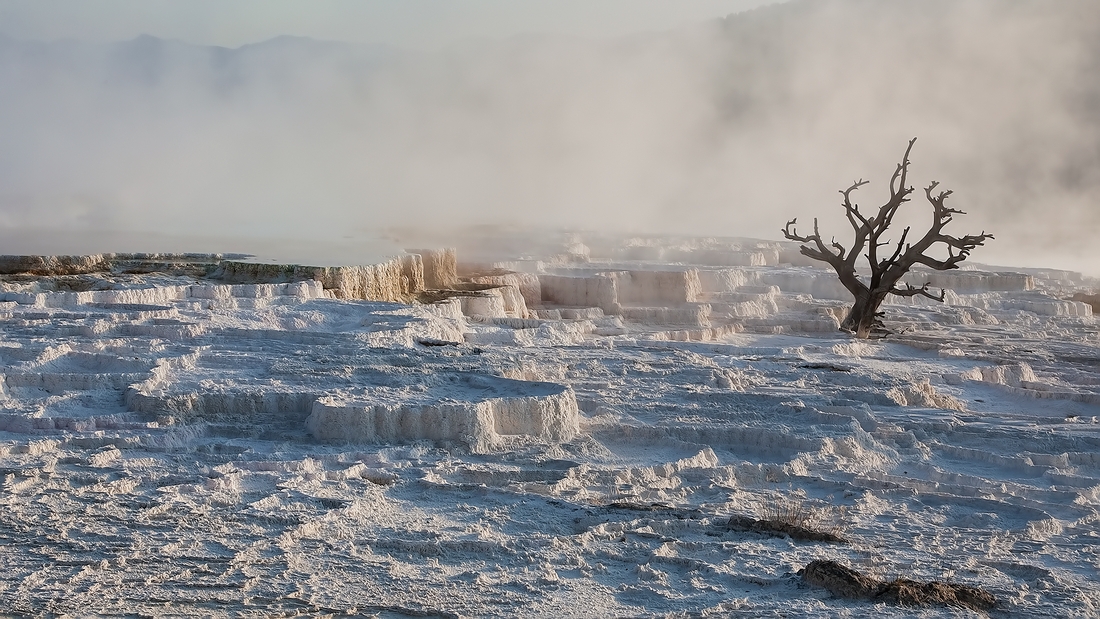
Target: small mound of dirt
<point x="778" y="527"/>
<point x="843" y="581"/>
<point x="912" y="593"/>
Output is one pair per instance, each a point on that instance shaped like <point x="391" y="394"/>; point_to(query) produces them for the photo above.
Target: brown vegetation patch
<point x="428" y="297"/>
<point x="843" y="581"/>
<point x="494" y="272"/>
<point x="676" y="512"/>
<point x="639" y="507"/>
<point x="474" y="286"/>
<point x="777" y="527"/>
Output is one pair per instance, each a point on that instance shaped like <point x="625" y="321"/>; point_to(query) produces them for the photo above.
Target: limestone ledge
<point x="546" y="412"/>
<point x="398" y="279"/>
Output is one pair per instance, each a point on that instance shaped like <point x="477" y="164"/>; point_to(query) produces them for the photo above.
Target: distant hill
<point x="730" y="126"/>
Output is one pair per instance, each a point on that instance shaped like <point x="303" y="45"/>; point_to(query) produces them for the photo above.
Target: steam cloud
<point x="728" y="128"/>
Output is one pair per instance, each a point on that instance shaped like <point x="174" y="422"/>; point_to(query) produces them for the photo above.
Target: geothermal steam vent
<point x="478" y="410"/>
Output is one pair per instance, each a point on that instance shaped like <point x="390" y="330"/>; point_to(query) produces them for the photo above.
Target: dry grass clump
<point x="796" y="517"/>
<point x="798" y="511"/>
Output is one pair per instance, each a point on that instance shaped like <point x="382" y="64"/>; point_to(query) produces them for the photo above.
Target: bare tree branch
<point x="910" y="291"/>
<point x="792" y="235"/>
<point x="885" y="264"/>
<point x="839" y="248"/>
<point x="851" y="210"/>
<point x="821" y="253"/>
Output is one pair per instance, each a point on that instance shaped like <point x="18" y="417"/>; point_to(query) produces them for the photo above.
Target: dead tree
<point x="888" y="269"/>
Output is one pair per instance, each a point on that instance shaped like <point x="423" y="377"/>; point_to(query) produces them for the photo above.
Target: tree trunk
<point x="862" y="318"/>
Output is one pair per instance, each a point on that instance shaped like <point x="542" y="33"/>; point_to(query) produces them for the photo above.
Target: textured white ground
<point x="156" y="462"/>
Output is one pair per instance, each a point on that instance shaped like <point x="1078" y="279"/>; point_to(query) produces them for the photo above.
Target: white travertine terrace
<point x="479" y="411"/>
<point x="583" y="418"/>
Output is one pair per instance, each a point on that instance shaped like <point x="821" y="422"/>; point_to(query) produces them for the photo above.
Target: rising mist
<point x="729" y="127"/>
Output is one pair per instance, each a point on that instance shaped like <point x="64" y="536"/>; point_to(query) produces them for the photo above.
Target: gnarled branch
<point x="792" y="235"/>
<point x="910" y="291"/>
<point x="885" y="264"/>
<point x="851" y="210"/>
<point x="821" y="253"/>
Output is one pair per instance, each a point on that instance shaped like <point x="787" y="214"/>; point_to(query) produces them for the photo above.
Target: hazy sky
<point x="404" y="23"/>
<point x="701" y="125"/>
